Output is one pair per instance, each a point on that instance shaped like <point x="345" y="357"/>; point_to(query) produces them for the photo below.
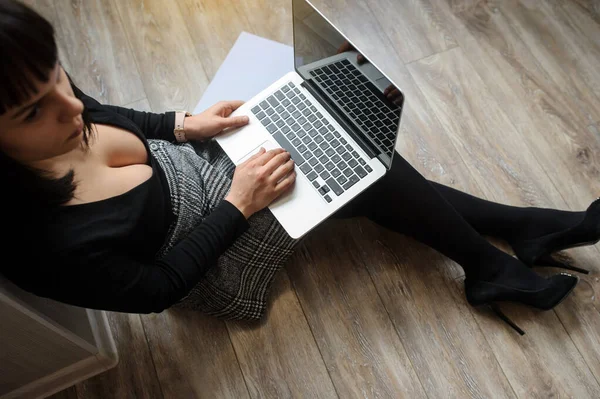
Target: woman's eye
<point x="34" y="111"/>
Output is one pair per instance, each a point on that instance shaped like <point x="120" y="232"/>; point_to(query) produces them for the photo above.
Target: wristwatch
<point x="178" y="131"/>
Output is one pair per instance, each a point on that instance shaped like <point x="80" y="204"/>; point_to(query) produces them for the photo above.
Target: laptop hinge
<point x="347" y="124"/>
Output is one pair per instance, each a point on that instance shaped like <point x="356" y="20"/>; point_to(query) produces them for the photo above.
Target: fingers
<point x="360" y="59"/>
<point x="276" y="161"/>
<point x="282" y="171"/>
<point x="344" y="47"/>
<point x="235" y="121"/>
<point x="286" y="183"/>
<point x="265" y="157"/>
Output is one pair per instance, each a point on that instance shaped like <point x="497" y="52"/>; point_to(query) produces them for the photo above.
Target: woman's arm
<point x="154" y="126"/>
<point x="115" y="281"/>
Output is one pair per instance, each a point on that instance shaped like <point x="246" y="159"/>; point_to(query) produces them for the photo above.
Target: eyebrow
<point x="28" y="107"/>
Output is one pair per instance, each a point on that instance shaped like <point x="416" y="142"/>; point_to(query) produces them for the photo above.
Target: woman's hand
<point x="213" y="121"/>
<point x="260" y="180"/>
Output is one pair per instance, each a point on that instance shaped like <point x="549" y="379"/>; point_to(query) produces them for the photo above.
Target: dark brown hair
<point x="28" y="49"/>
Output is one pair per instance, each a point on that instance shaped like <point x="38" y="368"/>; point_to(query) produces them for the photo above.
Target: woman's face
<point x="46" y="126"/>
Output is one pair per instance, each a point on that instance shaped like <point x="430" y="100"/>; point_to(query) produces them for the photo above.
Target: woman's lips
<point x="76" y="133"/>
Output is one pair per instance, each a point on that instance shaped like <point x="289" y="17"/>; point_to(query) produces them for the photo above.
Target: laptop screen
<point x="364" y="101"/>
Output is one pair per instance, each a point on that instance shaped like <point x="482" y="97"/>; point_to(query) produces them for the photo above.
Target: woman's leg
<point x="509" y="223"/>
<point x="405" y="202"/>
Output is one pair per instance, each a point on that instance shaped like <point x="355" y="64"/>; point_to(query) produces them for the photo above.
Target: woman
<point x="111" y="208"/>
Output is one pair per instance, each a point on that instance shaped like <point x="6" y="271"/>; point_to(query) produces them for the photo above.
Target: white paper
<point x="253" y="63"/>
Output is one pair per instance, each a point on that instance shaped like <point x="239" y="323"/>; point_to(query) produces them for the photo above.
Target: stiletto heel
<point x="538" y="251"/>
<point x="549" y="261"/>
<point x="488" y="293"/>
<point x="508" y="321"/>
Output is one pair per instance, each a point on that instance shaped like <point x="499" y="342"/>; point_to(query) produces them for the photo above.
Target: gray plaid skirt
<point x="237" y="285"/>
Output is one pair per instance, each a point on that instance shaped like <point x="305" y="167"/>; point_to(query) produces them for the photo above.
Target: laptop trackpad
<point x="268" y="145"/>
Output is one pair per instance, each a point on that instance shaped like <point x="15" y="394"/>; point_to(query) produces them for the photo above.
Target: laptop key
<point x="324" y="145"/>
<point x="305" y="168"/>
<point x="306" y="112"/>
<point x="280" y="138"/>
<point x="261" y="115"/>
<point x="285" y="102"/>
<point x="296" y="142"/>
<point x="336" y="158"/>
<point x="346" y="156"/>
<point x="273" y="101"/>
<point x="360" y="171"/>
<point x="327" y="198"/>
<point x="313" y="161"/>
<point x="319" y="168"/>
<point x="256" y="109"/>
<point x="335" y="173"/>
<point x="315" y="184"/>
<point x="301" y="133"/>
<point x="280" y="123"/>
<point x="325" y="175"/>
<point x="318" y="152"/>
<point x="330" y="152"/>
<point x="285" y="89"/>
<point x="318" y="139"/>
<point x="271" y="128"/>
<point x="355" y="154"/>
<point x="302" y="148"/>
<point x="323" y="159"/>
<point x="264" y="104"/>
<point x="352" y="163"/>
<point x="301" y="106"/>
<point x="279" y="95"/>
<point x="302" y="120"/>
<point x="270" y="111"/>
<point x="334" y="186"/>
<point x="312" y="176"/>
<point x="285" y="115"/>
<point x="285" y="129"/>
<point x="295" y="100"/>
<point x="312" y="145"/>
<point x="362" y="161"/>
<point x="351" y="181"/>
<point x="342" y="179"/>
<point x="343" y="141"/>
<point x="312" y="118"/>
<point x="348" y="172"/>
<point x="295" y="127"/>
<point x="307" y="140"/>
<point x="368" y="168"/>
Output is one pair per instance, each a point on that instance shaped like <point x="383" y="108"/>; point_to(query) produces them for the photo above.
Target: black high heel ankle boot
<point x="538" y="251"/>
<point x="488" y="293"/>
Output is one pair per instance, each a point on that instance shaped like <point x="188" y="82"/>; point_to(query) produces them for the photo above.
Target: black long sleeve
<point x="154" y="126"/>
<point x="116" y="281"/>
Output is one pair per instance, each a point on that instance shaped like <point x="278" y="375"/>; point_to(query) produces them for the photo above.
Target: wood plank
<point x="278" y="354"/>
<point x="271" y="19"/>
<point x="559" y="53"/>
<point x="359" y="344"/>
<point x="169" y="67"/>
<point x="69" y="393"/>
<point x="95" y="40"/>
<point x="549" y="123"/>
<point x="213" y="31"/>
<point x="444" y="343"/>
<point x="466" y="109"/>
<point x="134" y="375"/>
<point x="416" y="28"/>
<point x="193" y="355"/>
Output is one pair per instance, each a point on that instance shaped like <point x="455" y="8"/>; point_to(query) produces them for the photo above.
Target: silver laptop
<point x="331" y="114"/>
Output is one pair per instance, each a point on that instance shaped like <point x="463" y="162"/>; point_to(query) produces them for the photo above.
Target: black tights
<point x="453" y="222"/>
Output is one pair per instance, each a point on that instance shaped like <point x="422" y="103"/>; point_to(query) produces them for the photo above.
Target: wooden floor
<point x="503" y="101"/>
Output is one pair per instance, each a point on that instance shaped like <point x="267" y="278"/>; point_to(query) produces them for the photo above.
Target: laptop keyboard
<point x="349" y="88"/>
<point x="317" y="148"/>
